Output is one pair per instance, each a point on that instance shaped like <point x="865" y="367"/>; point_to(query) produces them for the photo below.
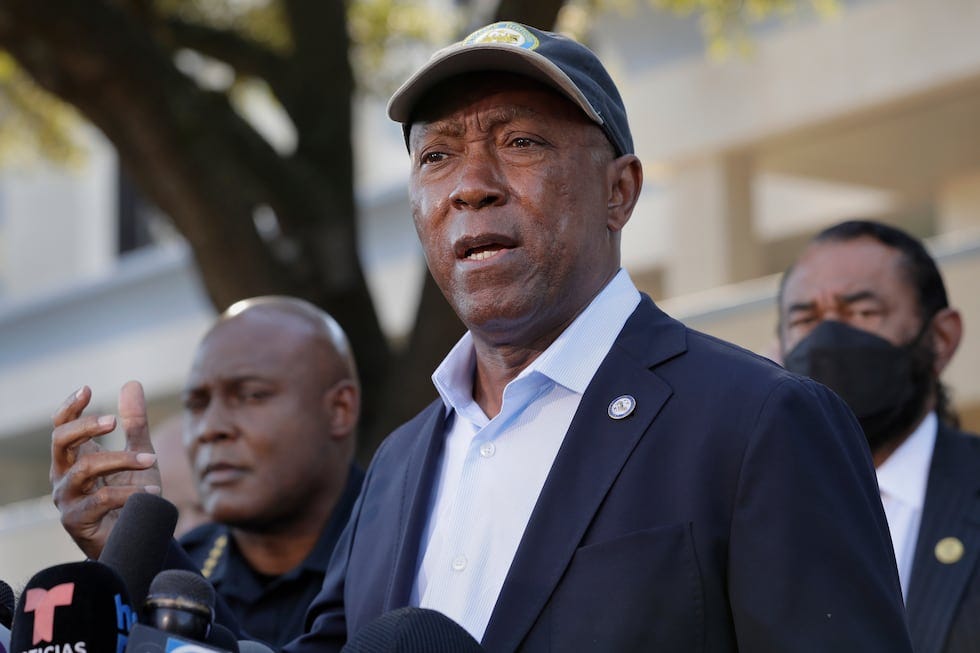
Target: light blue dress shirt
<point x="492" y="470"/>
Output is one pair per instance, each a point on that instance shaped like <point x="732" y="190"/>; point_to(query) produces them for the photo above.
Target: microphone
<point x="179" y="612"/>
<point x="180" y="602"/>
<point x="137" y="545"/>
<point x="6" y="605"/>
<point x="6" y="615"/>
<point x="413" y="630"/>
<point x="144" y="639"/>
<point x="78" y="607"/>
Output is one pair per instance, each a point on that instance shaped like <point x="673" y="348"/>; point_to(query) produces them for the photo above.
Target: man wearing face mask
<point x="864" y="311"/>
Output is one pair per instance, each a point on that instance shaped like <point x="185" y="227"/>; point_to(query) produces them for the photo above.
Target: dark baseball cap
<point x="552" y="59"/>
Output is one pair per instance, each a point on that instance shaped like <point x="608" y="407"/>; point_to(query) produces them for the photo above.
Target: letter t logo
<point x="42" y="603"/>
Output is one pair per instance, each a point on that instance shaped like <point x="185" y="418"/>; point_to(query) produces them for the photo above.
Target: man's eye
<point x="801" y="320"/>
<point x="195" y="403"/>
<point x="522" y="141"/>
<point x="432" y="157"/>
<point x="255" y="396"/>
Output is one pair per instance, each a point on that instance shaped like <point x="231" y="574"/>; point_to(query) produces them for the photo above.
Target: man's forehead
<point x="845" y="267"/>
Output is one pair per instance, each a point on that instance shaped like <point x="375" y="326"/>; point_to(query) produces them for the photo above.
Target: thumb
<point x="132" y="415"/>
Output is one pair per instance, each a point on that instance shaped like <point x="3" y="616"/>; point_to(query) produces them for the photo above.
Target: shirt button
<point x="459" y="563"/>
<point x="487" y="449"/>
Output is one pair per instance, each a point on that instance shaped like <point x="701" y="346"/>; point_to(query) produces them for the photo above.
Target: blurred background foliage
<point x="34" y="123"/>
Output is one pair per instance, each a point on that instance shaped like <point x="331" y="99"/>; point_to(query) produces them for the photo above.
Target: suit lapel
<point x="584" y="470"/>
<point x="952" y="509"/>
<point x="420" y="475"/>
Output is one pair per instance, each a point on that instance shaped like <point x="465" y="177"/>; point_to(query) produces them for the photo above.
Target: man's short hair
<point x="923" y="273"/>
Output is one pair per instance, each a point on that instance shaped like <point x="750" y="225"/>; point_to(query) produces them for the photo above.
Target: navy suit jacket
<point x="736" y="509"/>
<point x="944" y="597"/>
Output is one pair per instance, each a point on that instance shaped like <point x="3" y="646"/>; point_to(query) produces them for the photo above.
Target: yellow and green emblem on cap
<point x="505" y="33"/>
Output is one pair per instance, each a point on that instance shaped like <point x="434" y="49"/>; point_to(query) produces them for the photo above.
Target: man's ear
<point x="947" y="330"/>
<point x="343" y="405"/>
<point x="624" y="179"/>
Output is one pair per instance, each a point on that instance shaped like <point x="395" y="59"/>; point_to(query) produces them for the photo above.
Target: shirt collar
<point x="905" y="473"/>
<point x="571" y="360"/>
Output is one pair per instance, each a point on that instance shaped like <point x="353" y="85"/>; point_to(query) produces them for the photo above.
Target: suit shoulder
<point x="727" y="362"/>
<point x="403" y="437"/>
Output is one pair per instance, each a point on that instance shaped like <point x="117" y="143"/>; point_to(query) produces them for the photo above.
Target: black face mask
<point x="885" y="386"/>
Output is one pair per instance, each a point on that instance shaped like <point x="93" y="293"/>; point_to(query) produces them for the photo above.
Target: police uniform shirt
<point x="269" y="608"/>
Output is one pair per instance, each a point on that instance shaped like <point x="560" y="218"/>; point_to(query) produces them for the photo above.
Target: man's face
<point x="255" y="418"/>
<point x="859" y="282"/>
<point x="510" y="192"/>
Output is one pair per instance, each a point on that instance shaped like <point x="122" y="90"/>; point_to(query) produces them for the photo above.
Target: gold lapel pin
<point x="949" y="550"/>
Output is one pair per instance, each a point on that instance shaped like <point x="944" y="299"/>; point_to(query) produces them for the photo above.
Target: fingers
<point x="68" y="437"/>
<point x="72" y="407"/>
<point x="132" y="415"/>
<point x="89" y="519"/>
<point x="85" y="475"/>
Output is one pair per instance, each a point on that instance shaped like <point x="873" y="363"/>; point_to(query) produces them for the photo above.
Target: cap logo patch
<point x="504" y="33"/>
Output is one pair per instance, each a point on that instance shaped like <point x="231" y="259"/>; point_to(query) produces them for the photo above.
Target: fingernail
<point x="78" y="393"/>
<point x="153" y="489"/>
<point x="107" y="420"/>
<point x="146" y="459"/>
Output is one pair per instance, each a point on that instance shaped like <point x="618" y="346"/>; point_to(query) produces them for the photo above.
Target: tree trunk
<point x="193" y="156"/>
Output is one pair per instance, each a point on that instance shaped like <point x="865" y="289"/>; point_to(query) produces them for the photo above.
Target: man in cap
<point x="595" y="476"/>
<point x="864" y="311"/>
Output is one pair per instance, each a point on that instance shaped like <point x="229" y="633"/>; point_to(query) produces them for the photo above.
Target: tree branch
<point x="245" y="56"/>
<point x="540" y="13"/>
<point x="200" y="162"/>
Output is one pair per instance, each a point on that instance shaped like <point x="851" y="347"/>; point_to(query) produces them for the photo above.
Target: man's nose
<point x="480" y="183"/>
<point x="213" y="423"/>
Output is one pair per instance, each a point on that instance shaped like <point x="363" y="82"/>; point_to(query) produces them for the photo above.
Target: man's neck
<point x="275" y="551"/>
<point x="881" y="453"/>
<point x="499" y="360"/>
<point x="495" y="368"/>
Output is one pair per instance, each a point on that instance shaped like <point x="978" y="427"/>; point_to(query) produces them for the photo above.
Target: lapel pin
<point x="949" y="550"/>
<point x="621" y="407"/>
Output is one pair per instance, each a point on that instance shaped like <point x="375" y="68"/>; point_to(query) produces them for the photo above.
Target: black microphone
<point x="6" y="605"/>
<point x="137" y="545"/>
<point x="413" y="630"/>
<point x="179" y="613"/>
<point x="6" y="615"/>
<point x="144" y="639"/>
<point x="78" y="607"/>
<point x="180" y="602"/>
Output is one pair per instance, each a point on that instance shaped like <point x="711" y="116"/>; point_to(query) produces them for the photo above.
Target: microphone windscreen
<point x="248" y="646"/>
<point x="182" y="583"/>
<point x="6" y="605"/>
<point x="78" y="606"/>
<point x="413" y="630"/>
<point x="137" y="545"/>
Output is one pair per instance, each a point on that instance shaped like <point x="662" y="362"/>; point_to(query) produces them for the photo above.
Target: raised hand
<point x="90" y="484"/>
